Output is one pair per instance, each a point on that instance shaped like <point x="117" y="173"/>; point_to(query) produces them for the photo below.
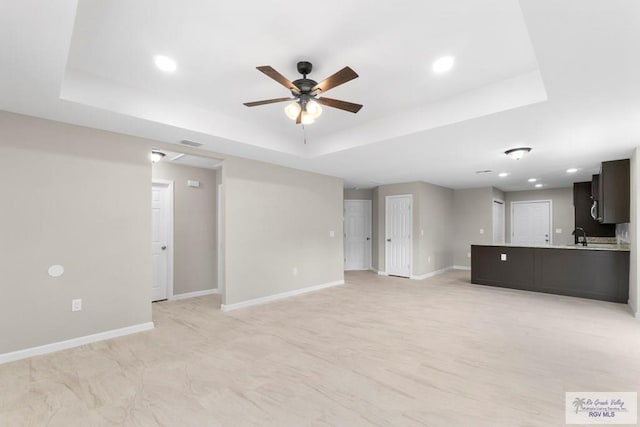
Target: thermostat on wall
<point x="194" y="184"/>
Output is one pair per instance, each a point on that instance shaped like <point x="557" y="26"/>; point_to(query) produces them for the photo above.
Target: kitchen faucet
<point x="584" y="236"/>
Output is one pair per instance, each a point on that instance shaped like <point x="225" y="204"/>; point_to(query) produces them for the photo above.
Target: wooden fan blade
<point x="342" y="76"/>
<point x="266" y="101"/>
<point x="342" y="105"/>
<point x="299" y="119"/>
<point x="269" y="71"/>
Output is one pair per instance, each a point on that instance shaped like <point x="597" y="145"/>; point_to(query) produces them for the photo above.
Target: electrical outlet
<point x="76" y="305"/>
<point x="332" y="233"/>
<point x="429" y="260"/>
<point x="295" y="271"/>
<point x="468" y="254"/>
<point x="482" y="231"/>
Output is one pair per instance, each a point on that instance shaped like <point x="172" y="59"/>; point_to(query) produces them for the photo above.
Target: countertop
<point x="590" y="247"/>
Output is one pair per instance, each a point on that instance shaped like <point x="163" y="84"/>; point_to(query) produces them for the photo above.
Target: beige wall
<point x="195" y="240"/>
<point x="473" y="212"/>
<point x="562" y="206"/>
<point x="436" y="229"/>
<point x="375" y="226"/>
<point x="80" y="198"/>
<point x="350" y="194"/>
<point x="278" y="219"/>
<point x="432" y="225"/>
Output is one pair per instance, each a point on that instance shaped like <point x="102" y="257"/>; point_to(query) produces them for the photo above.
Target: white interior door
<point x="498" y="221"/>
<point x="531" y="222"/>
<point x="357" y="234"/>
<point x="161" y="237"/>
<point x="398" y="235"/>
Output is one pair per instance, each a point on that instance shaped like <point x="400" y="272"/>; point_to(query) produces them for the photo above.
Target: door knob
<point x="368" y="238"/>
<point x="163" y="248"/>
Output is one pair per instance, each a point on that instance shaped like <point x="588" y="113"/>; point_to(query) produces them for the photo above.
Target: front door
<point x="357" y="234"/>
<point x="160" y="227"/>
<point x="531" y="222"/>
<point x="398" y="235"/>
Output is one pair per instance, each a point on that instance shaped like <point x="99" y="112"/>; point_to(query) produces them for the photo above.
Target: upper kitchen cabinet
<point x="613" y="206"/>
<point x="583" y="204"/>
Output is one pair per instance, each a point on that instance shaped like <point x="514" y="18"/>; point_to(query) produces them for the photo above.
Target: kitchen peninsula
<point x="597" y="272"/>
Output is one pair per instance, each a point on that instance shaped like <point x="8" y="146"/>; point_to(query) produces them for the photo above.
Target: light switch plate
<point x="503" y="257"/>
<point x="482" y="231"/>
<point x="76" y="305"/>
<point x="558" y="230"/>
<point x="332" y="233"/>
<point x="192" y="183"/>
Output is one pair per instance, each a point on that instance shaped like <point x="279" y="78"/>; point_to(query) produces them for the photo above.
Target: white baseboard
<point x="373" y="269"/>
<point x="461" y="267"/>
<point x="74" y="342"/>
<point x="195" y="294"/>
<point x="433" y="273"/>
<point x="382" y="273"/>
<point x="282" y="295"/>
<point x="634" y="312"/>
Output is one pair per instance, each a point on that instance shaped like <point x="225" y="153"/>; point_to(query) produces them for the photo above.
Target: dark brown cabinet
<point x="595" y="188"/>
<point x="582" y="205"/>
<point x="614" y="192"/>
<point x="594" y="274"/>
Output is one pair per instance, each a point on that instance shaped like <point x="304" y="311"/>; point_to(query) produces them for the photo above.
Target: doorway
<point x="398" y="235"/>
<point x="187" y="252"/>
<point x="531" y="222"/>
<point x="498" y="221"/>
<point x="357" y="234"/>
<point x="161" y="239"/>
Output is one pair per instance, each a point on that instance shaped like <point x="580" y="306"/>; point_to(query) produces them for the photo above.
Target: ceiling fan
<point x="306" y="93"/>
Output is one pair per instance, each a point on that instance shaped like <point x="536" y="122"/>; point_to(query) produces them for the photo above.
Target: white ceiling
<point x="559" y="76"/>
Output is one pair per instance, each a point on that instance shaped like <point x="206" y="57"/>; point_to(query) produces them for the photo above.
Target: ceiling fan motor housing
<point x="305" y="67"/>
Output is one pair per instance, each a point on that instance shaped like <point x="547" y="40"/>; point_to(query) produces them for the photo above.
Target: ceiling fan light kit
<point x="306" y="108"/>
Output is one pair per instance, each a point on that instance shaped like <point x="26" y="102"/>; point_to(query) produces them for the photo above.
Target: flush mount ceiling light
<point x="572" y="170"/>
<point x="532" y="180"/>
<point x="444" y="64"/>
<point x="503" y="174"/>
<point x="538" y="185"/>
<point x="164" y="63"/>
<point x="156" y="156"/>
<point x="517" y="153"/>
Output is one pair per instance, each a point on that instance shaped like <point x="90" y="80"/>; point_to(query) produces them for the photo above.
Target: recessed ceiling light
<point x="517" y="153"/>
<point x="165" y="63"/>
<point x="532" y="180"/>
<point x="444" y="64"/>
<point x="503" y="174"/>
<point x="538" y="185"/>
<point x="572" y="170"/>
